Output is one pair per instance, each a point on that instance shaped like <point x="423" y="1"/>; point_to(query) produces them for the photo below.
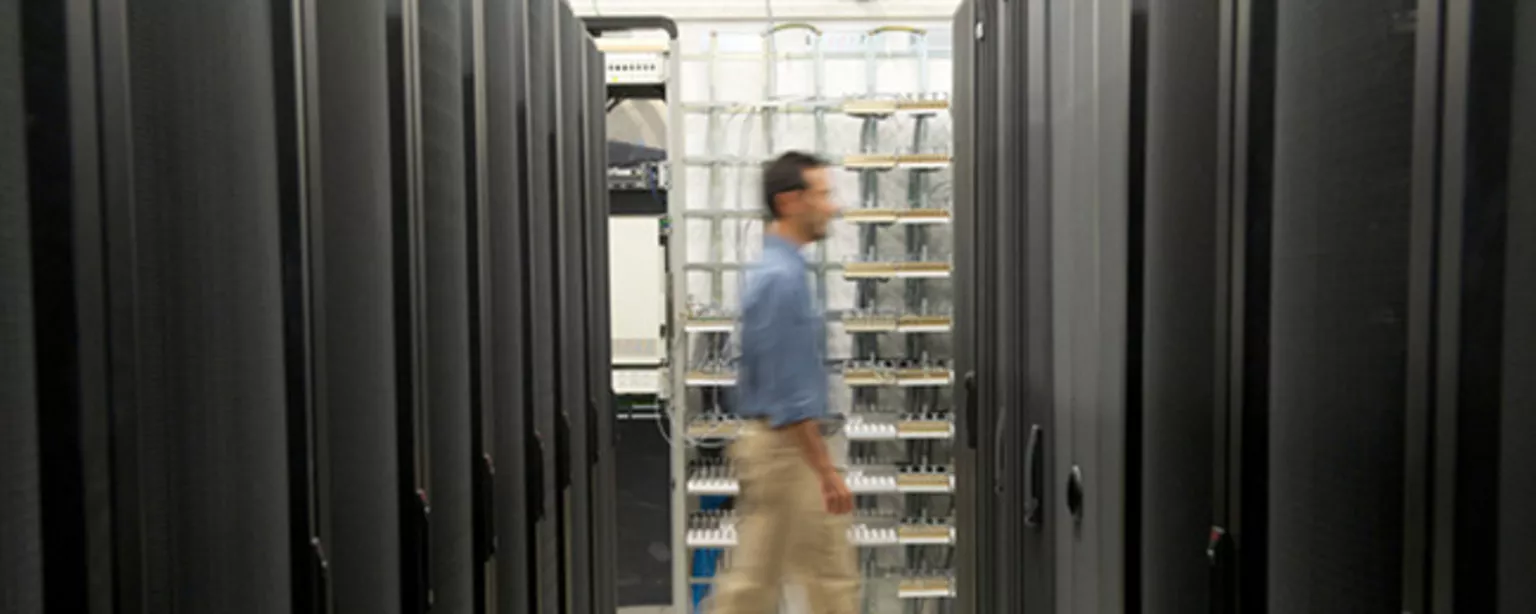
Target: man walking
<point x="794" y="504"/>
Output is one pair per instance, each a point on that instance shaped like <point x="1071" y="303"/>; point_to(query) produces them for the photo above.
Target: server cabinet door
<point x="445" y="351"/>
<point x="21" y="519"/>
<point x="515" y="467"/>
<point x="1022" y="431"/>
<point x="1016" y="259"/>
<point x="570" y="321"/>
<point x="1340" y="299"/>
<point x="1517" y="458"/>
<point x="968" y="492"/>
<point x="977" y="216"/>
<point x="1089" y="135"/>
<point x="194" y="199"/>
<point x="599" y="345"/>
<point x="543" y="365"/>
<point x="1180" y="356"/>
<point x="347" y="247"/>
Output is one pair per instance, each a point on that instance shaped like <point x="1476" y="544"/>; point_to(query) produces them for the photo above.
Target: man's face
<point x="813" y="208"/>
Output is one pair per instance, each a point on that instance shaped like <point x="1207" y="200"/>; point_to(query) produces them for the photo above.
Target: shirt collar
<point x="774" y="243"/>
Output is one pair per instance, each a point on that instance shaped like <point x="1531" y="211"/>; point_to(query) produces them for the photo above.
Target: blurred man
<point x="794" y="504"/>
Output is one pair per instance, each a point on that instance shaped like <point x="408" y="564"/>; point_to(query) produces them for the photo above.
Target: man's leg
<point x="754" y="581"/>
<point x="821" y="558"/>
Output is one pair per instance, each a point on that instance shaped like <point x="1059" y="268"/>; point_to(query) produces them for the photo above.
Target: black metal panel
<point x="1475" y="207"/>
<point x="446" y="352"/>
<point x="505" y="179"/>
<point x="408" y="230"/>
<point x="570" y="320"/>
<point x="198" y="373"/>
<point x="1251" y="194"/>
<point x="1007" y="238"/>
<point x="968" y="491"/>
<point x="1344" y="138"/>
<point x="542" y="364"/>
<point x="599" y="339"/>
<point x="982" y="297"/>
<point x="1023" y="265"/>
<point x="21" y="548"/>
<point x="477" y="247"/>
<point x="1517" y="469"/>
<point x="59" y="44"/>
<point x="1180" y="352"/>
<point x="353" y="319"/>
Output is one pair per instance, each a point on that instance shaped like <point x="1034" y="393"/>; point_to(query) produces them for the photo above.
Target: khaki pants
<point x="785" y="533"/>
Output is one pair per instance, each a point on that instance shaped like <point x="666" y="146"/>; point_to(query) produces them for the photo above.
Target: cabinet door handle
<point x="970" y="410"/>
<point x="486" y="476"/>
<point x="424" y="552"/>
<point x="1075" y="493"/>
<point x="1034" y="478"/>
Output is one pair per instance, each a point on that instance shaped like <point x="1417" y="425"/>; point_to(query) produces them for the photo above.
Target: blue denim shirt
<point x="782" y="376"/>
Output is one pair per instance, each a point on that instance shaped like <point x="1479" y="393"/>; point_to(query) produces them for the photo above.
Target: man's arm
<point x="807" y="433"/>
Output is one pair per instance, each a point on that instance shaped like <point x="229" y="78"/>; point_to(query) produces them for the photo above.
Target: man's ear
<point x="782" y="200"/>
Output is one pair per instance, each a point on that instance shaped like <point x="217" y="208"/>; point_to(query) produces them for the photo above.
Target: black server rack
<point x="971" y="510"/>
<point x="1480" y="425"/>
<point x="1340" y="306"/>
<point x="344" y="338"/>
<point x="504" y="180"/>
<point x="446" y="349"/>
<point x="1045" y="210"/>
<point x="569" y="320"/>
<point x="600" y="427"/>
<point x="196" y="178"/>
<point x="412" y="274"/>
<point x="1369" y="254"/>
<point x="299" y="260"/>
<point x="543" y="368"/>
<point x="1179" y="359"/>
<point x="21" y="519"/>
<point x="1516" y="539"/>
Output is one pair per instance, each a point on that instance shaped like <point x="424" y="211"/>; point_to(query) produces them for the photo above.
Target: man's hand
<point x="835" y="493"/>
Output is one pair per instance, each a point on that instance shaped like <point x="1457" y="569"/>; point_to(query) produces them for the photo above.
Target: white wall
<point x="757" y="10"/>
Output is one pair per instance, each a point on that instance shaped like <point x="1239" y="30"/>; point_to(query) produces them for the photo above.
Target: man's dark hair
<point x="786" y="173"/>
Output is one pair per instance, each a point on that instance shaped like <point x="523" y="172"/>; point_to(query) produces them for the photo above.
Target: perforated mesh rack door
<point x="198" y="368"/>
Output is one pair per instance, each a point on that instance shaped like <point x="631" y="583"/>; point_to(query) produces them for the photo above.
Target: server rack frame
<point x="599" y="407"/>
<point x="1238" y="541"/>
<point x="128" y="402"/>
<point x="572" y="442"/>
<point x="548" y="531"/>
<point x="506" y="147"/>
<point x="672" y="376"/>
<point x="61" y="82"/>
<point x="967" y="32"/>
